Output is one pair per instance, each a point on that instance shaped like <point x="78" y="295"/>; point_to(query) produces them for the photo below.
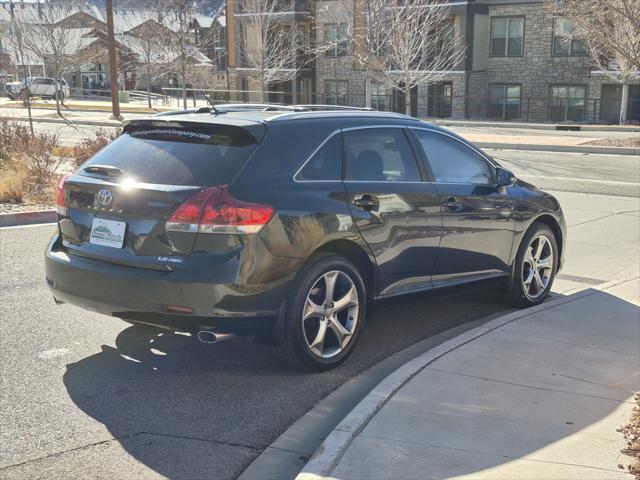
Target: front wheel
<point x="325" y="315"/>
<point x="536" y="266"/>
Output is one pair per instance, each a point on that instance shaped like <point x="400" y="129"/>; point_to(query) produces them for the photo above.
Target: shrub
<point x="27" y="164"/>
<point x="88" y="146"/>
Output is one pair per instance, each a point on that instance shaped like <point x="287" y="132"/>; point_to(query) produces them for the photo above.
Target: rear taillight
<point x="214" y="210"/>
<point x="62" y="208"/>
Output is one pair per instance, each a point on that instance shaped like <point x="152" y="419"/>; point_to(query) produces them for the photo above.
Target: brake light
<point x="62" y="208"/>
<point x="214" y="210"/>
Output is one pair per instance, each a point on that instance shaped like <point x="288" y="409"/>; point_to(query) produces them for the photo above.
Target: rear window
<point x="194" y="155"/>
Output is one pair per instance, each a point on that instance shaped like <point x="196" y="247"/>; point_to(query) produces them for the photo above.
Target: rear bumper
<point x="141" y="295"/>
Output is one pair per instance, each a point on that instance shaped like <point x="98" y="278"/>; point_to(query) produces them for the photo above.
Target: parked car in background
<point x="46" y="88"/>
<point x="13" y="89"/>
<point x="285" y="225"/>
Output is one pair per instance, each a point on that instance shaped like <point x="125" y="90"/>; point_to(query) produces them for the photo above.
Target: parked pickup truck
<point x="46" y="88"/>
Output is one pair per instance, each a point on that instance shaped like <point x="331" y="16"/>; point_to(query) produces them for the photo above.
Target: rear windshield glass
<point x="198" y="155"/>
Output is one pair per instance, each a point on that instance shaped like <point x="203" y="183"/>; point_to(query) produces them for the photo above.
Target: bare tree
<point x="270" y="47"/>
<point x="147" y="41"/>
<point x="15" y="40"/>
<point x="365" y="32"/>
<point x="611" y="31"/>
<point x="418" y="45"/>
<point x="185" y="46"/>
<point x="54" y="43"/>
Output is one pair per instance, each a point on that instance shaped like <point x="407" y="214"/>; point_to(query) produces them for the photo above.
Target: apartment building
<point x="517" y="66"/>
<point x="296" y="19"/>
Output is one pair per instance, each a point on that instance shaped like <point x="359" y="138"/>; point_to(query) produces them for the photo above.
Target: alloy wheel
<point x="537" y="266"/>
<point x="330" y="314"/>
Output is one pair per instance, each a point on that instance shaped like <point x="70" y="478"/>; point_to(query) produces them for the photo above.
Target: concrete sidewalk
<point x="536" y="394"/>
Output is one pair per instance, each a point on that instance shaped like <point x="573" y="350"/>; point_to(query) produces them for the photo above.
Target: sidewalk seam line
<point x="533" y="387"/>
<point x="493" y="454"/>
<point x="581" y="345"/>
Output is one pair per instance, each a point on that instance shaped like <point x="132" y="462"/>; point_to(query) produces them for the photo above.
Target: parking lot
<point x="85" y="395"/>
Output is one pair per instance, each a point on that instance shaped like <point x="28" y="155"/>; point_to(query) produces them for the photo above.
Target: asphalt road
<point x="575" y="172"/>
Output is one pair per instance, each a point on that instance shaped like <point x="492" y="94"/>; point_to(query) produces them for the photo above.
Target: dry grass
<point x="30" y="165"/>
<point x="88" y="147"/>
<point x="616" y="142"/>
<point x="27" y="164"/>
<point x="631" y="432"/>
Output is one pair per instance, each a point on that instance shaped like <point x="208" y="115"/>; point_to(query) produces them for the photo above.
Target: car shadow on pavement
<point x="192" y="410"/>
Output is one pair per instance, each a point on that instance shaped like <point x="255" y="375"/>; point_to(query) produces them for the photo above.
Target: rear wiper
<point x="108" y="170"/>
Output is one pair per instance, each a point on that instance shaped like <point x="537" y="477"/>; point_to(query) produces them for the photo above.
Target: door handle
<point x="452" y="204"/>
<point x="367" y="202"/>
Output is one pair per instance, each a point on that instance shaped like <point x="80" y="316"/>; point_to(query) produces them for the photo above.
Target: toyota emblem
<point x="104" y="198"/>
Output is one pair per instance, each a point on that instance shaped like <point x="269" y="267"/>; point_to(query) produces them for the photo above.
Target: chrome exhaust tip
<point x="206" y="336"/>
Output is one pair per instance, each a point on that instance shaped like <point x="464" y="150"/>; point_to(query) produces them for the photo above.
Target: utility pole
<point x="113" y="66"/>
<point x="18" y="35"/>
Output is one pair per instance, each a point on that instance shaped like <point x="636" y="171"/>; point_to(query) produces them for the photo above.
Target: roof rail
<point x="325" y="108"/>
<point x="261" y="107"/>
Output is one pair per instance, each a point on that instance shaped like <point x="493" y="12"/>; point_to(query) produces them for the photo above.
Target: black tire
<point x="519" y="294"/>
<point x="294" y="348"/>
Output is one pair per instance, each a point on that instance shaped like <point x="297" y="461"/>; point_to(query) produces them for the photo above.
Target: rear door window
<point x="326" y="164"/>
<point x="379" y="155"/>
<point x="185" y="154"/>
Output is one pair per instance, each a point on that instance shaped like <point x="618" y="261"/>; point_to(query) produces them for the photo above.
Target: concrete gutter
<point x="329" y="454"/>
<point x="27" y="218"/>
<point x="561" y="148"/>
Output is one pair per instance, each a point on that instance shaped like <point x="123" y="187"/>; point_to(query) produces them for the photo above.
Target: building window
<point x="567" y="103"/>
<point x="504" y="101"/>
<point x="439" y="96"/>
<point x="379" y="97"/>
<point x="564" y="46"/>
<point x="335" y="36"/>
<point x="335" y="92"/>
<point x="507" y="36"/>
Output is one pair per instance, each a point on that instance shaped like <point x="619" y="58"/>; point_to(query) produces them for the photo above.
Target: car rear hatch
<point x="115" y="207"/>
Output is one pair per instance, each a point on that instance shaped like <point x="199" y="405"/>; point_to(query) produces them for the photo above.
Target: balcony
<point x="287" y="9"/>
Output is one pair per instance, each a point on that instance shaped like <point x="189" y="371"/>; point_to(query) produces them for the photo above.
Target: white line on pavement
<point x="588" y="180"/>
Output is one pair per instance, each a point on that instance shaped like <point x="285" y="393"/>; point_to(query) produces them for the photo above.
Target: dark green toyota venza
<point x="286" y="223"/>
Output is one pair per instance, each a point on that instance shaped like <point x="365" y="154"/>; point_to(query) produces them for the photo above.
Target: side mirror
<point x="505" y="177"/>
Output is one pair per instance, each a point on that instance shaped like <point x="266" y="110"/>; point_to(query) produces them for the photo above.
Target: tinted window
<point x="326" y="164"/>
<point x="198" y="155"/>
<point x="379" y="154"/>
<point x="451" y="161"/>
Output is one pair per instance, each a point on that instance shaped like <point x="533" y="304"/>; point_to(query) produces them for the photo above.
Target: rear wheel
<point x="325" y="315"/>
<point x="536" y="266"/>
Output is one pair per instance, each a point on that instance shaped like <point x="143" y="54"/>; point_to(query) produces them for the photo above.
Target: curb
<point x="329" y="454"/>
<point x="535" y="126"/>
<point x="561" y="148"/>
<point x="97" y="123"/>
<point x="27" y="218"/>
